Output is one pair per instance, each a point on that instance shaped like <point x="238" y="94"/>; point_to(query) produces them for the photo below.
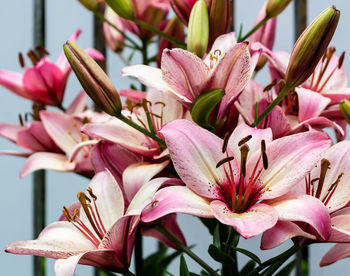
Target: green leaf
<point x="152" y="265"/>
<point x="218" y="255"/>
<point x="248" y="254"/>
<point x="203" y="105"/>
<point x="249" y="267"/>
<point x="272" y="269"/>
<point x="183" y="267"/>
<point x="287" y="270"/>
<point x="216" y="236"/>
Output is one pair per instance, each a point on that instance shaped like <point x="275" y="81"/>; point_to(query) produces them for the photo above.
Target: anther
<point x="244" y="140"/>
<point x="225" y="143"/>
<point x="270" y="86"/>
<point x="244" y="153"/>
<point x="67" y="214"/>
<point x="341" y="60"/>
<point x="93" y="196"/>
<point x="21" y="60"/>
<point x="42" y="50"/>
<point x="20" y="119"/>
<point x="225" y="160"/>
<point x="33" y="57"/>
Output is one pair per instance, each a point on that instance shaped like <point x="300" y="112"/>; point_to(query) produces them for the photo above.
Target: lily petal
<point x="252" y="222"/>
<point x="47" y="160"/>
<point x="336" y="253"/>
<point x="164" y="202"/>
<point x="78" y="104"/>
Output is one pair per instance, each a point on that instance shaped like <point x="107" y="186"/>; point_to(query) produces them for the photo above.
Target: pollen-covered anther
<point x="341" y="60"/>
<point x="21" y="60"/>
<point x="244" y="154"/>
<point x="264" y="155"/>
<point x="244" y="140"/>
<point x="225" y="142"/>
<point x="223" y="161"/>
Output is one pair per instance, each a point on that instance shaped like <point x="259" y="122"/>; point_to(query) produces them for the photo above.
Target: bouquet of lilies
<point x="195" y="135"/>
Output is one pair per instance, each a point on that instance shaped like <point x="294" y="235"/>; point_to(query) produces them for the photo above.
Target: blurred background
<point x="63" y="19"/>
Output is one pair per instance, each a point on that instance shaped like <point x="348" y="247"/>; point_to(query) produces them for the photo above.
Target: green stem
<point x="138" y="252"/>
<point x="142" y="130"/>
<point x="186" y="250"/>
<point x="256" y="27"/>
<point x="279" y="98"/>
<point x="302" y="266"/>
<point x="173" y="40"/>
<point x="101" y="16"/>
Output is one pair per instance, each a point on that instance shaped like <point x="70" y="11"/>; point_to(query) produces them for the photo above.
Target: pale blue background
<point x="63" y="18"/>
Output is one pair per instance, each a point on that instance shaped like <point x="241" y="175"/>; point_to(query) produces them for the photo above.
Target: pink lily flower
<point x="45" y="82"/>
<point x="163" y="108"/>
<point x="64" y="129"/>
<point x="227" y="66"/>
<point x="232" y="180"/>
<point x="289" y="117"/>
<point x="329" y="183"/>
<point x="182" y="8"/>
<point x="93" y="231"/>
<point x="114" y="39"/>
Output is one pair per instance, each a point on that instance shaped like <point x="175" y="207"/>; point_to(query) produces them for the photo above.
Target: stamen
<point x="324" y="167"/>
<point x="341" y="60"/>
<point x="83" y="200"/>
<point x="42" y="50"/>
<point x="225" y="160"/>
<point x="244" y="153"/>
<point x="33" y="57"/>
<point x="264" y="155"/>
<point x="225" y="143"/>
<point x="270" y="86"/>
<point x="21" y="60"/>
<point x="67" y="214"/>
<point x="244" y="140"/>
<point x="20" y="119"/>
<point x="332" y="189"/>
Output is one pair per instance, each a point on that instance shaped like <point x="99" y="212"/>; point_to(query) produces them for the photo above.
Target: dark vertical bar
<point x="232" y="19"/>
<point x="100" y="45"/>
<point x="39" y="189"/>
<point x="300" y="18"/>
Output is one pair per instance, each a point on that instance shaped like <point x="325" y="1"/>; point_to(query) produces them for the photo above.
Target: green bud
<point x="123" y="8"/>
<point x="198" y="29"/>
<point x="203" y="105"/>
<point x="93" y="79"/>
<point x="275" y="7"/>
<point x="311" y="46"/>
<point x="345" y="109"/>
<point x="91" y="5"/>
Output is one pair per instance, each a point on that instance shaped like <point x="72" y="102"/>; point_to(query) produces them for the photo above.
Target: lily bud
<point x="114" y="39"/>
<point x="275" y="7"/>
<point x="203" y="105"/>
<point x="93" y="79"/>
<point x="123" y="8"/>
<point x="219" y="18"/>
<point x="91" y="5"/>
<point x="175" y="28"/>
<point x="311" y="46"/>
<point x="345" y="109"/>
<point x="182" y="8"/>
<point x="198" y="29"/>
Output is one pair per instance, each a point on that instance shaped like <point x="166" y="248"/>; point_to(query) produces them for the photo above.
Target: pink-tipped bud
<point x="310" y="47"/>
<point x="183" y="9"/>
<point x="123" y="8"/>
<point x="175" y="28"/>
<point x="219" y="18"/>
<point x="345" y="109"/>
<point x="198" y="29"/>
<point x="114" y="39"/>
<point x="93" y="79"/>
<point x="275" y="7"/>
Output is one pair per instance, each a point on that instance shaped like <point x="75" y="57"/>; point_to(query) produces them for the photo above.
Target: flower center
<point x="96" y="231"/>
<point x="243" y="191"/>
<point x="315" y="186"/>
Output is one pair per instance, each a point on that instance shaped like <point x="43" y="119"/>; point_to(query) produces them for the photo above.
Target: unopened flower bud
<point x="219" y="18"/>
<point x="203" y="106"/>
<point x="91" y="5"/>
<point x="311" y="46"/>
<point x="93" y="79"/>
<point x="198" y="29"/>
<point x="183" y="9"/>
<point x="345" y="109"/>
<point x="275" y="7"/>
<point x="123" y="8"/>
